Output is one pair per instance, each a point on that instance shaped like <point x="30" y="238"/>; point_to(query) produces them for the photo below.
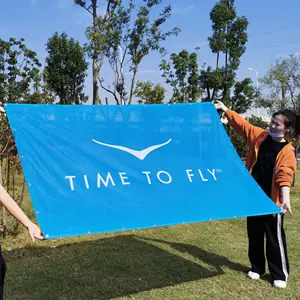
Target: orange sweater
<point x="285" y="164"/>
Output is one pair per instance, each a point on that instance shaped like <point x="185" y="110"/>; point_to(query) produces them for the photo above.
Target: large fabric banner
<point x="92" y="169"/>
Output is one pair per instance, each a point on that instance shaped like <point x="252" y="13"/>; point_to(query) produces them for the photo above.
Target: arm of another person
<point x="14" y="209"/>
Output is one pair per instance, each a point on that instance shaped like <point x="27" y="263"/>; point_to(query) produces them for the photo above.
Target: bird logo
<point x="140" y="154"/>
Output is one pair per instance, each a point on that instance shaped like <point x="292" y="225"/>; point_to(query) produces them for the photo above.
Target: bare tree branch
<point x="83" y="5"/>
<point x="109" y="91"/>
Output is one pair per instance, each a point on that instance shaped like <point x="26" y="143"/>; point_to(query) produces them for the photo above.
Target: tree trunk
<point x="96" y="69"/>
<point x="292" y="97"/>
<point x="3" y="221"/>
<point x="1" y="181"/>
<point x="96" y="97"/>
<point x="226" y="65"/>
<point x="7" y="174"/>
<point x="283" y="92"/>
<point x="208" y="94"/>
<point x="226" y="72"/>
<point x="217" y="70"/>
<point x="22" y="193"/>
<point x="132" y="84"/>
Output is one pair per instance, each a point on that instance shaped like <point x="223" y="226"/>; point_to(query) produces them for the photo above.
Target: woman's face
<point x="277" y="124"/>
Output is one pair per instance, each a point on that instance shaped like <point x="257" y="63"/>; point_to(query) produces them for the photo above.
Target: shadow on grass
<point x="212" y="259"/>
<point x="104" y="269"/>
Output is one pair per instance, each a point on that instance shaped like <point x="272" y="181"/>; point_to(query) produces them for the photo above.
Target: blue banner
<point x="92" y="169"/>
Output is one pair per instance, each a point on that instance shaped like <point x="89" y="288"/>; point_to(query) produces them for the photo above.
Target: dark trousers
<point x="2" y="274"/>
<point x="270" y="226"/>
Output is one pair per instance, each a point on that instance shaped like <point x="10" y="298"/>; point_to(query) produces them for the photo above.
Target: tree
<point x="228" y="40"/>
<point x="19" y="71"/>
<point x="112" y="41"/>
<point x="20" y="82"/>
<point x="243" y="96"/>
<point x="65" y="69"/>
<point x="91" y="7"/>
<point x="146" y="37"/>
<point x="148" y="93"/>
<point x="183" y="76"/>
<point x="130" y="41"/>
<point x="283" y="83"/>
<point x="41" y="95"/>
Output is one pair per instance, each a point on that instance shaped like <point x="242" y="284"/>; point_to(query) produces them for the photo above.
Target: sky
<point x="273" y="32"/>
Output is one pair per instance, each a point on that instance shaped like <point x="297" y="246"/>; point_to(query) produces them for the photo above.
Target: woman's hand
<point x="286" y="207"/>
<point x="220" y="106"/>
<point x="286" y="203"/>
<point x="2" y="110"/>
<point x="34" y="231"/>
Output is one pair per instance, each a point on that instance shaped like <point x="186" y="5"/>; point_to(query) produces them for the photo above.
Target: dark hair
<point x="291" y="122"/>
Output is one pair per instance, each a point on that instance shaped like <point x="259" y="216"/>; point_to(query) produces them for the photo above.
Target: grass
<point x="198" y="261"/>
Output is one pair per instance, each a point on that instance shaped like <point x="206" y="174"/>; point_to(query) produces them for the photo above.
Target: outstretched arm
<point x="14" y="209"/>
<point x="246" y="130"/>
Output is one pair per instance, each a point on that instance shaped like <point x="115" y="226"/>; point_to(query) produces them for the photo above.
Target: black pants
<point x="2" y="274"/>
<point x="270" y="226"/>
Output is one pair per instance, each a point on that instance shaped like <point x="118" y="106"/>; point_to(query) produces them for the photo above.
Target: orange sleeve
<point x="285" y="172"/>
<point x="241" y="126"/>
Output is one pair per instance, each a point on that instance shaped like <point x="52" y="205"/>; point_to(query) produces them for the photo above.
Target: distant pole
<point x="257" y="86"/>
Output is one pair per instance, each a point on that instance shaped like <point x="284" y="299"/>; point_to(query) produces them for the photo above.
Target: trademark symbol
<point x="219" y="171"/>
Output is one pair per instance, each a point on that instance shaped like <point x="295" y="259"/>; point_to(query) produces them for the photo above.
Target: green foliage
<point x="239" y="144"/>
<point x="110" y="38"/>
<point x="146" y="36"/>
<point x="41" y="96"/>
<point x="229" y="32"/>
<point x="148" y="93"/>
<point x="183" y="76"/>
<point x="19" y="71"/>
<point x="102" y="32"/>
<point x="283" y="83"/>
<point x="65" y="69"/>
<point x="243" y="96"/>
<point x="20" y="82"/>
<point x="123" y="37"/>
<point x="228" y="41"/>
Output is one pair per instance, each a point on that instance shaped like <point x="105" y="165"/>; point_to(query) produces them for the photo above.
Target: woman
<point x="13" y="208"/>
<point x="272" y="162"/>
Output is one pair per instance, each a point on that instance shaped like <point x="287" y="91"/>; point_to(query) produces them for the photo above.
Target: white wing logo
<point x="141" y="154"/>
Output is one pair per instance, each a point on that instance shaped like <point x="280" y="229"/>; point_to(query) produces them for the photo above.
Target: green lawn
<point x="199" y="261"/>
